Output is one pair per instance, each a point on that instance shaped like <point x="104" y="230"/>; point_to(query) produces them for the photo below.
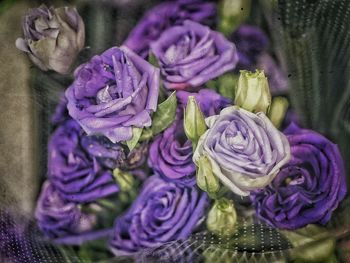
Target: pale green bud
<point x="253" y="92"/>
<point x="194" y="123"/>
<point x="232" y="13"/>
<point x="278" y="110"/>
<point x="125" y="180"/>
<point x="222" y="217"/>
<point x="206" y="180"/>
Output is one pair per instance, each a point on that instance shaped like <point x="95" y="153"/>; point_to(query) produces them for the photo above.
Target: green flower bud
<point x="194" y="123"/>
<point x="232" y="13"/>
<point x="222" y="217"/>
<point x="253" y="92"/>
<point x="206" y="180"/>
<point x="125" y="180"/>
<point x="278" y="110"/>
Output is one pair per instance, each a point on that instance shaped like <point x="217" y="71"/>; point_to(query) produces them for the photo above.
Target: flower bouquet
<point x="179" y="144"/>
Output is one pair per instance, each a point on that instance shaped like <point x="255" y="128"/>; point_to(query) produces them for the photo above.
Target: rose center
<point x="178" y="51"/>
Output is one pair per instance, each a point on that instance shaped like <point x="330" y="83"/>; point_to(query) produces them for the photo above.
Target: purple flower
<point x="61" y="113"/>
<point x="77" y="173"/>
<point x="245" y="150"/>
<point x="309" y="188"/>
<point x="163" y="16"/>
<point x="210" y="102"/>
<point x="278" y="82"/>
<point x="52" y="37"/>
<point x="171" y="152"/>
<point x="161" y="213"/>
<point x="113" y="93"/>
<point x="171" y="155"/>
<point x="250" y="42"/>
<point x="59" y="218"/>
<point x="191" y="54"/>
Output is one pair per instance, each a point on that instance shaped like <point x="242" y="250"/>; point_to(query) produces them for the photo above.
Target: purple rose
<point x="191" y="54"/>
<point x="210" y="102"/>
<point x="278" y="82"/>
<point x="171" y="152"/>
<point x="59" y="218"/>
<point x="61" y="113"/>
<point x="307" y="189"/>
<point x="76" y="173"/>
<point x="113" y="93"/>
<point x="245" y="150"/>
<point x="171" y="155"/>
<point x="161" y="213"/>
<point x="163" y="16"/>
<point x="250" y="42"/>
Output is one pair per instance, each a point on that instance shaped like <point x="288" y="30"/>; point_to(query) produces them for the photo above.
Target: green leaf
<point x="311" y="244"/>
<point x="136" y="134"/>
<point x="165" y="114"/>
<point x="152" y="59"/>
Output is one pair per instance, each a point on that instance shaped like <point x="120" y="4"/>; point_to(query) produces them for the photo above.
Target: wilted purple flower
<point x="191" y="54"/>
<point x="171" y="152"/>
<point x="136" y="158"/>
<point x="244" y="149"/>
<point x="113" y="93"/>
<point x="52" y="37"/>
<point x="78" y="174"/>
<point x="161" y="213"/>
<point x="250" y="42"/>
<point x="165" y="15"/>
<point x="57" y="217"/>
<point x="307" y="189"/>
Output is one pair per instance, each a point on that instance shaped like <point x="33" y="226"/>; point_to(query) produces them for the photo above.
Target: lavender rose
<point x="59" y="218"/>
<point x="52" y="37"/>
<point x="171" y="152"/>
<point x="113" y="93"/>
<point x="162" y="212"/>
<point x="165" y="15"/>
<point x="78" y="175"/>
<point x="245" y="150"/>
<point x="309" y="188"/>
<point x="191" y="54"/>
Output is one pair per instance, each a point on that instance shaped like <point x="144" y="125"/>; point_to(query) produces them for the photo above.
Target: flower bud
<point x="194" y="123"/>
<point x="278" y="110"/>
<point x="125" y="180"/>
<point x="206" y="180"/>
<point x="253" y="93"/>
<point x="52" y="37"/>
<point x="232" y="13"/>
<point x="222" y="217"/>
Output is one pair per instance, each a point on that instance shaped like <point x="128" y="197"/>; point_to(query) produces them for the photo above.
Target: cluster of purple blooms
<point x="118" y="90"/>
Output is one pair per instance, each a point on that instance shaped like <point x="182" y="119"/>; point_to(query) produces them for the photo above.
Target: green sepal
<point x="136" y="134"/>
<point x="165" y="114"/>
